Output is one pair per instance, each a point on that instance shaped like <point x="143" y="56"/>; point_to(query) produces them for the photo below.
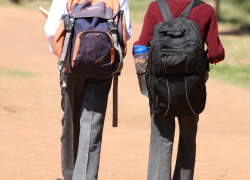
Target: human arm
<point x="125" y="8"/>
<point x="147" y="29"/>
<point x="215" y="50"/>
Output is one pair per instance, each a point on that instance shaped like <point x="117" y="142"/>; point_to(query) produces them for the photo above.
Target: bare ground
<point x="30" y="115"/>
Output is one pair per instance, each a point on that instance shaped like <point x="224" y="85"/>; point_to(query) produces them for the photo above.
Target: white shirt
<point x="58" y="8"/>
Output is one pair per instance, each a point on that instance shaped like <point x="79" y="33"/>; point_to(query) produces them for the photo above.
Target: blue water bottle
<point x="141" y="61"/>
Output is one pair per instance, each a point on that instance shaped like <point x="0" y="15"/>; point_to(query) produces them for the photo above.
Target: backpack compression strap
<point x="113" y="29"/>
<point x="114" y="34"/>
<point x="66" y="45"/>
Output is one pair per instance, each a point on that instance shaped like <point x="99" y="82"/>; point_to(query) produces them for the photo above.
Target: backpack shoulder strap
<point x="198" y="2"/>
<point x="188" y="9"/>
<point x="113" y="30"/>
<point x="65" y="57"/>
<point x="165" y="10"/>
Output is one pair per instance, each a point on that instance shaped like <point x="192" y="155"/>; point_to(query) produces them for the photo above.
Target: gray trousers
<point x="161" y="146"/>
<point x="84" y="107"/>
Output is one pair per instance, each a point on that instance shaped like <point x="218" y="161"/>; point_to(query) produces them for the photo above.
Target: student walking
<point x="176" y="79"/>
<point x="89" y="38"/>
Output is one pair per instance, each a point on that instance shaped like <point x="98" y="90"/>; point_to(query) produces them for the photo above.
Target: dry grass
<point x="15" y="73"/>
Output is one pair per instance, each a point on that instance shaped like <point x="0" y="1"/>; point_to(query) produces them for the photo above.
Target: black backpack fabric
<point x="177" y="65"/>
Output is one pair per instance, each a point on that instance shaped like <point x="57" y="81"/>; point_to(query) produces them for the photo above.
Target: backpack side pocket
<point x="59" y="39"/>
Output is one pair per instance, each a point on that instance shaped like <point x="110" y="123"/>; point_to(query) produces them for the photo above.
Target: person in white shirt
<point x="84" y="102"/>
<point x="58" y="8"/>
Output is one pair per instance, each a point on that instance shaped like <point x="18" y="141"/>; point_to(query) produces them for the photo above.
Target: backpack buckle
<point x="70" y="25"/>
<point x="112" y="25"/>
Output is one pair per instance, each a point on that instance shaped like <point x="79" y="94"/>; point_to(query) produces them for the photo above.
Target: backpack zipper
<point x="87" y="32"/>
<point x="174" y="45"/>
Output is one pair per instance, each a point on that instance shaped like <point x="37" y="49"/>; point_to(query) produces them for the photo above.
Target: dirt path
<point x="30" y="116"/>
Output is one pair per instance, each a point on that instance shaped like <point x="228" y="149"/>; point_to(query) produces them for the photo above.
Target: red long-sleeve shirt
<point x="203" y="14"/>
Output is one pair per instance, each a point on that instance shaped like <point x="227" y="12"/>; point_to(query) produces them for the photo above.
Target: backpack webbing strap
<point x="198" y="2"/>
<point x="113" y="29"/>
<point x="65" y="57"/>
<point x="63" y="78"/>
<point x="115" y="100"/>
<point x="187" y="10"/>
<point x="65" y="46"/>
<point x="165" y="10"/>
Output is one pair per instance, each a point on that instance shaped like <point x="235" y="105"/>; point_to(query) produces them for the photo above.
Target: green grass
<point x="237" y="48"/>
<point x="235" y="69"/>
<point x="15" y="73"/>
<point x="238" y="75"/>
<point x="138" y="9"/>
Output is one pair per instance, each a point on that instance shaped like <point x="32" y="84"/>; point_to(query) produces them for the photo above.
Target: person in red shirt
<point x="203" y="14"/>
<point x="162" y="129"/>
